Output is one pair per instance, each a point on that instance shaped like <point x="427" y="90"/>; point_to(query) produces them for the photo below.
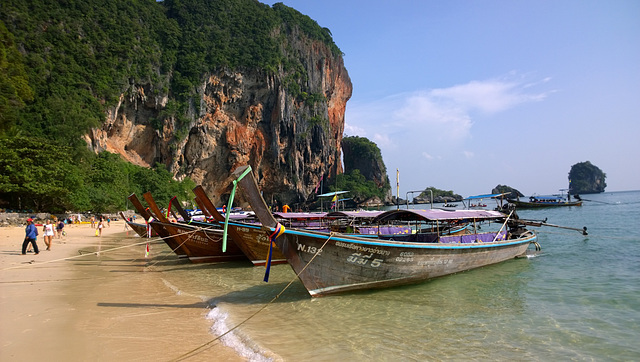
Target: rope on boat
<point x="27" y="264"/>
<point x="604" y="236"/>
<point x="74" y="257"/>
<point x="612" y="203"/>
<point x="207" y="345"/>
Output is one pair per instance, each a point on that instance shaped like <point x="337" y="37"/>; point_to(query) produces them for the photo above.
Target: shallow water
<point x="578" y="299"/>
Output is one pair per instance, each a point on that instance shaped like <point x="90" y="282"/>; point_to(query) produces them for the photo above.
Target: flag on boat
<point x="397" y="183"/>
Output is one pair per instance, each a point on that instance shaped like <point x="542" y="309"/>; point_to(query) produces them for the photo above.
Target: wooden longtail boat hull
<point x="204" y="244"/>
<point x="253" y="241"/>
<point x="177" y="248"/>
<point x="540" y="204"/>
<point x="201" y="244"/>
<point x="334" y="263"/>
<point x="139" y="229"/>
<point x="349" y="264"/>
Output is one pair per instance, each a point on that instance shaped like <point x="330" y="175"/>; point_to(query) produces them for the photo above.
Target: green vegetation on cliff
<point x="437" y="193"/>
<point x="62" y="64"/>
<point x="586" y="178"/>
<point x="365" y="174"/>
<point x="360" y="189"/>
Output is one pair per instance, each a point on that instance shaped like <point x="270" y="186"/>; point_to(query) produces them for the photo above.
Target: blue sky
<point x="466" y="95"/>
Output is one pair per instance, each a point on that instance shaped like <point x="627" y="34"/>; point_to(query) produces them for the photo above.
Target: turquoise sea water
<point x="579" y="300"/>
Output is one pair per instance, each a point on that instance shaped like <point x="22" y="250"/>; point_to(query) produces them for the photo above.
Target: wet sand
<point x="71" y="304"/>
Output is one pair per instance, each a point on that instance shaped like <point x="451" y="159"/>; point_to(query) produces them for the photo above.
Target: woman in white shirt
<point x="48" y="233"/>
<point x="100" y="226"/>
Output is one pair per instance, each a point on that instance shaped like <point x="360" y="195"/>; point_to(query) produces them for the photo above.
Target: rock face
<point x="512" y="193"/>
<point x="363" y="155"/>
<point x="586" y="178"/>
<point x="245" y="116"/>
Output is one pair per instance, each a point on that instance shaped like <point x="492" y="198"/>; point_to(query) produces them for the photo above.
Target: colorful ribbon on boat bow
<point x="226" y="220"/>
<point x="146" y="251"/>
<point x="279" y="230"/>
<point x="169" y="207"/>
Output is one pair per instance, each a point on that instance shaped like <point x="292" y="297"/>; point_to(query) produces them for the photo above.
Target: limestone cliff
<point x="244" y="116"/>
<point x="511" y="192"/>
<point x="586" y="178"/>
<point x="363" y="155"/>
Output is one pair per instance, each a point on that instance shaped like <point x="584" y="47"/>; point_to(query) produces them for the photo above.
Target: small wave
<point x="180" y="292"/>
<point x="243" y="346"/>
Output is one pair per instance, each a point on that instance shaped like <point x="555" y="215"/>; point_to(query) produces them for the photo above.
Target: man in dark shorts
<point x="31" y="234"/>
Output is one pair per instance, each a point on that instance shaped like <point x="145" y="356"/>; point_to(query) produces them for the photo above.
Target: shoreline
<point x="71" y="304"/>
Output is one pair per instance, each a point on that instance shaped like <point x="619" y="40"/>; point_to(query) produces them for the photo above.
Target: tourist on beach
<point x="59" y="228"/>
<point x="100" y="226"/>
<point x="48" y="233"/>
<point x="109" y="222"/>
<point x="93" y="222"/>
<point x="30" y="238"/>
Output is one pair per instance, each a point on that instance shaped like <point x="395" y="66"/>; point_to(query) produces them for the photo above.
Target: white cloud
<point x="383" y="141"/>
<point x="442" y="114"/>
<point x="427" y="130"/>
<point x="354" y="130"/>
<point x="490" y="96"/>
<point x="434" y="120"/>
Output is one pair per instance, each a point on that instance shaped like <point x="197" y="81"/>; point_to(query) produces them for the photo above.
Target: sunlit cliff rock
<point x="290" y="135"/>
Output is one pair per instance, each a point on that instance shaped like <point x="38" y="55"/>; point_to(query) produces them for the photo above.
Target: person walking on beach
<point x="48" y="233"/>
<point x="59" y="228"/>
<point x="100" y="226"/>
<point x="31" y="234"/>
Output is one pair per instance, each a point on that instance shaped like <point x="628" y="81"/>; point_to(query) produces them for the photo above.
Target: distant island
<point x="510" y="192"/>
<point x="439" y="196"/>
<point x="586" y="178"/>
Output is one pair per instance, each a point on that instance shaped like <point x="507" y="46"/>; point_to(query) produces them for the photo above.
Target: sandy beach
<point x="73" y="305"/>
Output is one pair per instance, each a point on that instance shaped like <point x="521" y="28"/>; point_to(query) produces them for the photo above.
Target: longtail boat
<point x="250" y="238"/>
<point x="328" y="263"/>
<point x="201" y="244"/>
<point x="140" y="229"/>
<point x="176" y="247"/>
<point x="544" y="201"/>
<point x="204" y="243"/>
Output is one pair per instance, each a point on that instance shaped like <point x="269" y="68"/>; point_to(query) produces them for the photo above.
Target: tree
<point x="359" y="187"/>
<point x="14" y="83"/>
<point x="35" y="174"/>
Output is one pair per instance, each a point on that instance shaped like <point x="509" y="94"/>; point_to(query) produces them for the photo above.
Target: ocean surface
<point x="579" y="299"/>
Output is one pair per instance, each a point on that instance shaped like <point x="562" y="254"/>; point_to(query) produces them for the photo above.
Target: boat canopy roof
<point x="487" y="196"/>
<point x="360" y="214"/>
<point x="438" y="214"/>
<point x="300" y="215"/>
<point x="547" y="197"/>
